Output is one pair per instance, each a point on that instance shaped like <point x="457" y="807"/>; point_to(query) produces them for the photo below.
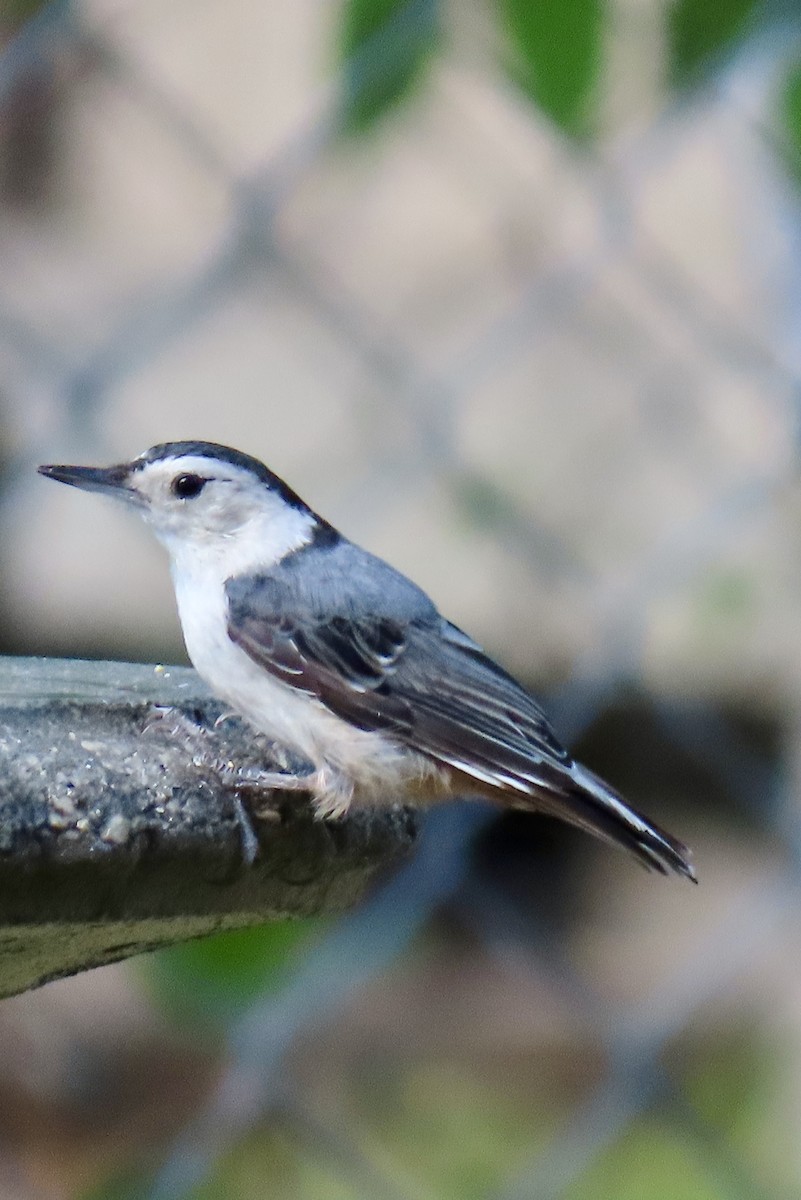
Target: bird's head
<point x="206" y="501"/>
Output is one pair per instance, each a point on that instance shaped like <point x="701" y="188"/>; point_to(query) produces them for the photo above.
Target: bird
<point x="342" y="660"/>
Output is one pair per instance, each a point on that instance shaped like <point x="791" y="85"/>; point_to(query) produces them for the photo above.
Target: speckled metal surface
<point x="120" y="830"/>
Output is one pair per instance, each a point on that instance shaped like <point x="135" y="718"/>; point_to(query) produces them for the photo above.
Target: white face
<point x="216" y="516"/>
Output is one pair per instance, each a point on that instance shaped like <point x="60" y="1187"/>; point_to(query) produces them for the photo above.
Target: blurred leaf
<point x="456" y="1134"/>
<point x="736" y="1080"/>
<point x="485" y="505"/>
<point x="790" y="113"/>
<point x="650" y="1160"/>
<point x="724" y="608"/>
<point x="271" y="1164"/>
<point x="386" y="46"/>
<point x="558" y="47"/>
<point x="125" y="1185"/>
<point x="728" y="594"/>
<point x="731" y="1078"/>
<point x="14" y="13"/>
<point x="211" y="979"/>
<point x="700" y="31"/>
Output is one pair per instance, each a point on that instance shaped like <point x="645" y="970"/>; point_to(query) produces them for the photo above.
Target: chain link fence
<point x="557" y="382"/>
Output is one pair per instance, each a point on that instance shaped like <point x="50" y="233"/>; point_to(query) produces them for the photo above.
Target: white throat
<point x="256" y="546"/>
<point x="200" y="570"/>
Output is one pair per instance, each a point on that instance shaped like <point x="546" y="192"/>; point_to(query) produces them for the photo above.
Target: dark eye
<point x="186" y="487"/>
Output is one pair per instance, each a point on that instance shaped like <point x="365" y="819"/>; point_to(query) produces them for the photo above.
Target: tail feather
<point x="583" y="799"/>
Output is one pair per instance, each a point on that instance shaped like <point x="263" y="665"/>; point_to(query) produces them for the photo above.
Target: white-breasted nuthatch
<point x="343" y="660"/>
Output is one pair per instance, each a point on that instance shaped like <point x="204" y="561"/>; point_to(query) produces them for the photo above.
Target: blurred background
<point x="511" y="292"/>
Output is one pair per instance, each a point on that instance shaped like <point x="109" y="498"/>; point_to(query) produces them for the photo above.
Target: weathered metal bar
<point x="120" y="830"/>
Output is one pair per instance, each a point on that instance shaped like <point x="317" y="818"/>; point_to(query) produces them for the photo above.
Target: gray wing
<point x="350" y="630"/>
<point x="336" y="622"/>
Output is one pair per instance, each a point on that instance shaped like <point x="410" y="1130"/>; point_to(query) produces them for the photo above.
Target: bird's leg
<point x="330" y="792"/>
<point x="249" y="840"/>
<point x="256" y="792"/>
<point x="262" y="790"/>
<point x="254" y="779"/>
<point x="175" y="723"/>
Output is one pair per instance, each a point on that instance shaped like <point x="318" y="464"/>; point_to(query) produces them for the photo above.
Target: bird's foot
<point x="330" y="793"/>
<point x="193" y="734"/>
<point x="259" y="792"/>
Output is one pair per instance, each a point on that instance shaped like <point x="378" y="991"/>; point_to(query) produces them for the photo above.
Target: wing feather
<point x="426" y="683"/>
<point x="423" y="681"/>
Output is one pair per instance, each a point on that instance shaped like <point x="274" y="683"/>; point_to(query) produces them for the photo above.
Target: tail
<point x="585" y="800"/>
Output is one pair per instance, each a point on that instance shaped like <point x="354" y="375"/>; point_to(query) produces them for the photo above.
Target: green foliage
<point x="16" y="12"/>
<point x="385" y="46"/>
<point x="272" y="1165"/>
<point x="790" y="115"/>
<point x="127" y="1185"/>
<point x="210" y="980"/>
<point x="727" y="1085"/>
<point x="554" y="50"/>
<point x="737" y="1083"/>
<point x="454" y="1135"/>
<point x="701" y="31"/>
<point x="650" y="1162"/>
<point x="726" y="595"/>
<point x="557" y="55"/>
<point x="482" y="502"/>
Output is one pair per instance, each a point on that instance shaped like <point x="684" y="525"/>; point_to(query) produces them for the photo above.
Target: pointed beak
<point x="114" y="481"/>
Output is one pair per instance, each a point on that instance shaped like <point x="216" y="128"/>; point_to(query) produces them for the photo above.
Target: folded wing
<point x="415" y="676"/>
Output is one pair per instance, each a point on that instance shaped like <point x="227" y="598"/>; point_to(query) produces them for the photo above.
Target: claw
<point x="225" y="716"/>
<point x="249" y="839"/>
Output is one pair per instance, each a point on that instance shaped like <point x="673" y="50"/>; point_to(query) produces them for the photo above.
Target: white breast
<point x="372" y="763"/>
<point x="275" y="708"/>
